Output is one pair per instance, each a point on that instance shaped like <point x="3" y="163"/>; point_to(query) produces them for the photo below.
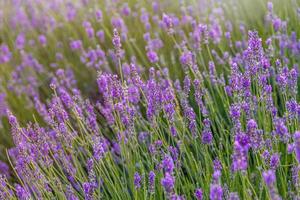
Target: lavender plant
<point x="148" y="99"/>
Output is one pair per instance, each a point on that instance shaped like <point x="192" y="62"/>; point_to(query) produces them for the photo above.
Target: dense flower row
<point x="149" y="100"/>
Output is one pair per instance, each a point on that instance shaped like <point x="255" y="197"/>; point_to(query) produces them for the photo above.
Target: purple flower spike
<point x="269" y="177"/>
<point x="168" y="22"/>
<point x="5" y="54"/>
<point x="117" y="42"/>
<point x="137" y="180"/>
<point x="151" y="182"/>
<point x="168" y="182"/>
<point x="199" y="194"/>
<point x="152" y="56"/>
<point x="297" y="145"/>
<point x="216" y="192"/>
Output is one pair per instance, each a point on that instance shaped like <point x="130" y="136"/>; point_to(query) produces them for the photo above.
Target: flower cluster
<point x="149" y="100"/>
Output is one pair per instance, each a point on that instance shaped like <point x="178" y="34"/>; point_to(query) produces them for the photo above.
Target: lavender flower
<point x="198" y="194"/>
<point x="43" y="40"/>
<point x="117" y="42"/>
<point x="167" y="20"/>
<point x="274" y="161"/>
<point x="20" y="41"/>
<point x="234" y="196"/>
<point x="297" y="145"/>
<point x="168" y="164"/>
<point x="168" y="183"/>
<point x="220" y="108"/>
<point x="76" y="44"/>
<point x="186" y="58"/>
<point x="21" y="193"/>
<point x="240" y="157"/>
<point x="99" y="15"/>
<point x="5" y="54"/>
<point x="269" y="177"/>
<point x="88" y="189"/>
<point x="152" y="56"/>
<point x="151" y="182"/>
<point x="137" y="180"/>
<point x="216" y="192"/>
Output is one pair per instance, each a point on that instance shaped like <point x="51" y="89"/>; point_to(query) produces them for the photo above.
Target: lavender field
<point x="149" y="99"/>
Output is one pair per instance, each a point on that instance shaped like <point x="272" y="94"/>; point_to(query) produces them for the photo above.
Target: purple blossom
<point x="217" y="165"/>
<point x="186" y="58"/>
<point x="70" y="193"/>
<point x="20" y="41"/>
<point x="5" y="192"/>
<point x="270" y="6"/>
<point x="168" y="183"/>
<point x="234" y="196"/>
<point x="281" y="129"/>
<point x="239" y="158"/>
<point x="3" y="104"/>
<point x="99" y="148"/>
<point x="76" y="44"/>
<point x="5" y="54"/>
<point x="177" y="197"/>
<point x="274" y="161"/>
<point x="101" y="36"/>
<point x="117" y="42"/>
<point x="152" y="56"/>
<point x="133" y="94"/>
<point x="269" y="177"/>
<point x="168" y="164"/>
<point x="254" y="134"/>
<point x="21" y="193"/>
<point x="4" y="169"/>
<point x="88" y="189"/>
<point x="297" y="145"/>
<point x="199" y="194"/>
<point x="216" y="192"/>
<point x="167" y="20"/>
<point x="137" y="180"/>
<point x="151" y="181"/>
<point x="212" y="72"/>
<point x="42" y="40"/>
<point x="126" y="9"/>
<point x="99" y="15"/>
<point x="206" y="137"/>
